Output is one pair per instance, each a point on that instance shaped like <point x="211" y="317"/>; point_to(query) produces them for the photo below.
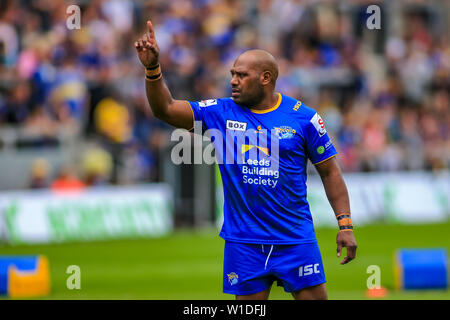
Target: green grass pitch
<point x="188" y="264"/>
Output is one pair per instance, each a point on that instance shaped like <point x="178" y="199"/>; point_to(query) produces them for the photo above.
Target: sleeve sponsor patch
<point x="318" y="124"/>
<point x="207" y="103"/>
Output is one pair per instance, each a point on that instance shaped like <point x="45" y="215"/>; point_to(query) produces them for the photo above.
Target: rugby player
<point x="268" y="228"/>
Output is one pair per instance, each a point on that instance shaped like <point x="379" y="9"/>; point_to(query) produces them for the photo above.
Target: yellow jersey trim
<point x="334" y="155"/>
<point x="270" y="109"/>
<point x="193" y="116"/>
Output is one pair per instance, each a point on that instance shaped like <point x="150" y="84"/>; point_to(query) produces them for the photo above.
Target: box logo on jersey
<point x="318" y="124"/>
<point x="236" y="125"/>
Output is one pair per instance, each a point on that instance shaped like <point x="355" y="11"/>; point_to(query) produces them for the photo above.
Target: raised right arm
<point x="177" y="113"/>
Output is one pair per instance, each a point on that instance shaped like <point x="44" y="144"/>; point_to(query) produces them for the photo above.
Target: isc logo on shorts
<point x="236" y="125"/>
<point x="308" y="269"/>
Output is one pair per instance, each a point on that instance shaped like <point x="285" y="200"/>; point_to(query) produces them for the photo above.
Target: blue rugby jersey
<point x="262" y="156"/>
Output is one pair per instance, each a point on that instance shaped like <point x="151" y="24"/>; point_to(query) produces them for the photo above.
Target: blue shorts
<point x="251" y="268"/>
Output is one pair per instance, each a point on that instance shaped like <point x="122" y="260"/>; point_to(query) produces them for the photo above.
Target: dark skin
<point x="253" y="79"/>
<point x="337" y="195"/>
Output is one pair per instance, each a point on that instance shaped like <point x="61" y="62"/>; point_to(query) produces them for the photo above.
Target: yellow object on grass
<point x="26" y="284"/>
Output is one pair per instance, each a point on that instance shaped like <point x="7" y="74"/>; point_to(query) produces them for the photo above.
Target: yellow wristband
<point x="153" y="71"/>
<point x="344" y="221"/>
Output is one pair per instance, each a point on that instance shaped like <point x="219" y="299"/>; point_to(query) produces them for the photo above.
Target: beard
<point x="250" y="97"/>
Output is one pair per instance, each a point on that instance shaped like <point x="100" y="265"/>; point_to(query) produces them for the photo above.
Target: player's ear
<point x="266" y="77"/>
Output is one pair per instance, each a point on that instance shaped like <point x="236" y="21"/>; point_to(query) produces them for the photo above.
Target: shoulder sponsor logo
<point x="207" y="103"/>
<point x="318" y="124"/>
<point x="236" y="125"/>
<point x="297" y="105"/>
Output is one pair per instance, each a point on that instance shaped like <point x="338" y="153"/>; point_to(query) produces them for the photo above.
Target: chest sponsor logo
<point x="236" y="125"/>
<point x="207" y="103"/>
<point x="247" y="147"/>
<point x="318" y="124"/>
<point x="257" y="168"/>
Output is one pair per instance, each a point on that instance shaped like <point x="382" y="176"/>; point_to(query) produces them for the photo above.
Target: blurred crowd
<point x="384" y="94"/>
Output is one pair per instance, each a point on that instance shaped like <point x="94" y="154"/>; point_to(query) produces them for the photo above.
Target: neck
<point x="269" y="101"/>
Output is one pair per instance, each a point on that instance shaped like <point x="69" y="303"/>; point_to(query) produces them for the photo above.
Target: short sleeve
<point x="202" y="111"/>
<point x="318" y="143"/>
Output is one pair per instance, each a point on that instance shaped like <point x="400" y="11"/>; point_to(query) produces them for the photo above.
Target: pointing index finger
<point x="150" y="30"/>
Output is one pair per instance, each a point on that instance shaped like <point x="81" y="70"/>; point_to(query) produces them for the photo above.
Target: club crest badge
<point x="285" y="132"/>
<point x="232" y="278"/>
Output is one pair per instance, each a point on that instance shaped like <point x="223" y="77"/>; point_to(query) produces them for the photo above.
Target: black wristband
<point x="153" y="78"/>
<point x="153" y="67"/>
<point x="343" y="216"/>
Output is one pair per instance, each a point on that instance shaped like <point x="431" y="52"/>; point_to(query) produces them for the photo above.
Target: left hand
<point x="346" y="239"/>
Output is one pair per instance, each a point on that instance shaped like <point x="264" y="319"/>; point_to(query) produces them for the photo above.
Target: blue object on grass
<point x="22" y="263"/>
<point x="422" y="269"/>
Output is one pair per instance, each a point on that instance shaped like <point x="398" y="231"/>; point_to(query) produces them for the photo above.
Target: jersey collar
<point x="270" y="109"/>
